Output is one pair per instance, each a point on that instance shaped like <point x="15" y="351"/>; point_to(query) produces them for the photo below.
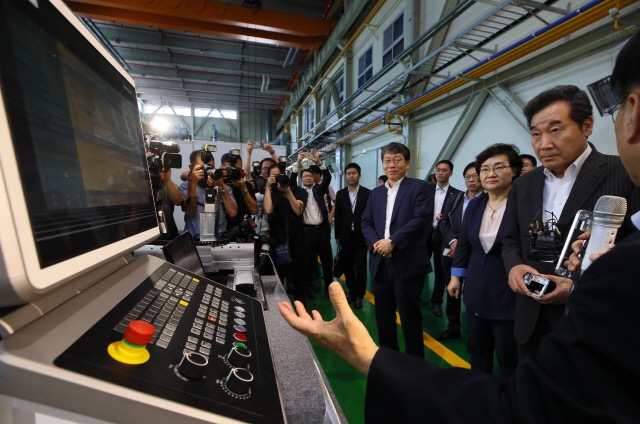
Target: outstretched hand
<point x="344" y="335"/>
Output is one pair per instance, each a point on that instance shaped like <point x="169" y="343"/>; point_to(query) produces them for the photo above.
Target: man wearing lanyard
<point x="440" y="191"/>
<point x="349" y="205"/>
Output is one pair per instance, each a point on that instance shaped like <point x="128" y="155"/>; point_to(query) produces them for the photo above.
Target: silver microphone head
<point x="610" y="207"/>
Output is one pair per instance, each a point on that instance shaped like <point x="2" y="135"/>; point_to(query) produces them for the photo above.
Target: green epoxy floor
<point x="347" y="383"/>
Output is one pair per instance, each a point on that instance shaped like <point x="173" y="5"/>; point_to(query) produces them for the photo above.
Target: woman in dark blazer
<point x="489" y="301"/>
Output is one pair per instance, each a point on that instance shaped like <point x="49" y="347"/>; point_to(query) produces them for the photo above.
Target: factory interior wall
<point x="492" y="124"/>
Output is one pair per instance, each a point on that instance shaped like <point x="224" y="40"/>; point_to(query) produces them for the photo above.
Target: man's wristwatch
<point x="245" y="192"/>
<point x="392" y="243"/>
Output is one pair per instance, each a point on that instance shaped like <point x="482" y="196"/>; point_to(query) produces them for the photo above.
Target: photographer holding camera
<point x="259" y="179"/>
<point x="161" y="157"/>
<point x="193" y="191"/>
<point x="284" y="205"/>
<point x="243" y="192"/>
<point x="169" y="195"/>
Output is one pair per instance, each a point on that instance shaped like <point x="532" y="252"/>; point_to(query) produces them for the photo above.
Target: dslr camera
<point x="233" y="174"/>
<point x="259" y="181"/>
<point x="166" y="154"/>
<point x="282" y="179"/>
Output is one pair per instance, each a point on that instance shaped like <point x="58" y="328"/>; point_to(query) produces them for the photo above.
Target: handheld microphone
<point x="608" y="216"/>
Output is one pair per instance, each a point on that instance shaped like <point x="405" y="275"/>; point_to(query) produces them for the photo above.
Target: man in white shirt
<point x="441" y="191"/>
<point x="349" y="206"/>
<point x="573" y="176"/>
<point x="395" y="225"/>
<point x="317" y="230"/>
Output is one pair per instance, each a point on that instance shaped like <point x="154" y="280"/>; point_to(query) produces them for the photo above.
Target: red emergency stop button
<point x="139" y="333"/>
<point x="240" y="337"/>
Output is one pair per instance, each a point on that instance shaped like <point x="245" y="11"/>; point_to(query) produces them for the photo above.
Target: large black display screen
<point x="76" y="132"/>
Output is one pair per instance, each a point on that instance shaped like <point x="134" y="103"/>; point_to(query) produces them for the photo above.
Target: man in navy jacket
<point x="396" y="224"/>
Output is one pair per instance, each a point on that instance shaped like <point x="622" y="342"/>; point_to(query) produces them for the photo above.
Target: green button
<point x="240" y="344"/>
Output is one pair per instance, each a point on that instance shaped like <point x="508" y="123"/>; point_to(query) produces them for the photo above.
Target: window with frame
<point x="393" y="41"/>
<point x="340" y="89"/>
<point x="305" y="120"/>
<point x="365" y="67"/>
<point x="312" y="118"/>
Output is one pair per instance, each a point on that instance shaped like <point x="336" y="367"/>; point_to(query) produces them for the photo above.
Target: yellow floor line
<point x="437" y="347"/>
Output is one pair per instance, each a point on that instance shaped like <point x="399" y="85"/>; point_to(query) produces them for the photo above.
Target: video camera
<point x="166" y="154"/>
<point x="282" y="179"/>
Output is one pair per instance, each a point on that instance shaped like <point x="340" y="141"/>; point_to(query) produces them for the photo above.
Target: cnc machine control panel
<point x="209" y="349"/>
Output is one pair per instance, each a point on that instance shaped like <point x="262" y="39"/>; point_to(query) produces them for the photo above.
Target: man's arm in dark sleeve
<point x="337" y="220"/>
<point x="445" y="224"/>
<point x="511" y="252"/>
<point x="367" y="224"/>
<point x="326" y="181"/>
<point x="422" y="216"/>
<point x="405" y="389"/>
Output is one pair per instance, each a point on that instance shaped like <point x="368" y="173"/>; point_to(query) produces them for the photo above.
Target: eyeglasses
<point x="613" y="111"/>
<point x="471" y="177"/>
<point x="397" y="161"/>
<point x="498" y="169"/>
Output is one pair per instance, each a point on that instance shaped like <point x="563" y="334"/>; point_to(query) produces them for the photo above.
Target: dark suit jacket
<point x="486" y="290"/>
<point x="451" y="218"/>
<point x="343" y="217"/>
<point x="583" y="371"/>
<point x="451" y="191"/>
<point x="600" y="175"/>
<point x="410" y="226"/>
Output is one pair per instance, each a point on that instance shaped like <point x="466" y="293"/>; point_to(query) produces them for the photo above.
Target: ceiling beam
<point x="137" y="54"/>
<point x="225" y="103"/>
<point x="190" y="43"/>
<point x="213" y="18"/>
<point x="198" y="74"/>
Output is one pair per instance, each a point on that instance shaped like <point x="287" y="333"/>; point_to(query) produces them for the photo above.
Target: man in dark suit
<point x="317" y="231"/>
<point x="396" y="224"/>
<point x="583" y="370"/>
<point x="452" y="215"/>
<point x="440" y="192"/>
<point x="573" y="176"/>
<point x="350" y="203"/>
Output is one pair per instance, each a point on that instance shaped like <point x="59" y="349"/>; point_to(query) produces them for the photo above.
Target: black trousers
<point x="487" y="335"/>
<point x="454" y="305"/>
<point x="548" y="318"/>
<point x="434" y="247"/>
<point x="293" y="272"/>
<point x="354" y="260"/>
<point x="392" y="293"/>
<point x="317" y="242"/>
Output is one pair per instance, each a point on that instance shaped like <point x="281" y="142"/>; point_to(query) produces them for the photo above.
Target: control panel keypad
<point x="163" y="306"/>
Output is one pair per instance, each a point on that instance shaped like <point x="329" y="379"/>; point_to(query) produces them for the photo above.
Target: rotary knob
<point x="239" y="380"/>
<point x="192" y="365"/>
<point x="239" y="357"/>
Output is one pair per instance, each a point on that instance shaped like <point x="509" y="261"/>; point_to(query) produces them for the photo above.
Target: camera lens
<point x="214" y="173"/>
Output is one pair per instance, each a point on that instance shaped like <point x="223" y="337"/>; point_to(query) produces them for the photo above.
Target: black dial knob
<point x="192" y="365"/>
<point x="239" y="357"/>
<point x="239" y="380"/>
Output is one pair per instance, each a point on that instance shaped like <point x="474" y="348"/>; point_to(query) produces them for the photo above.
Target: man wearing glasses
<point x="573" y="176"/>
<point x="395" y="225"/>
<point x="450" y="223"/>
